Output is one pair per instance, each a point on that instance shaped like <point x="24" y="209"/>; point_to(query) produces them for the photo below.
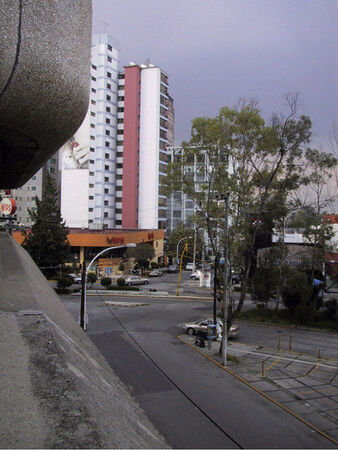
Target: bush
<point x="105" y="281"/>
<point x="330" y="309"/>
<point x="64" y="282"/>
<point x="123" y="288"/>
<point x="121" y="267"/>
<point x="154" y="265"/>
<point x="121" y="281"/>
<point x="91" y="277"/>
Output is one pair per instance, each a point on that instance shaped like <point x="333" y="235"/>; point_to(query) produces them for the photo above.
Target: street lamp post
<point x="83" y="318"/>
<point x="178" y="243"/>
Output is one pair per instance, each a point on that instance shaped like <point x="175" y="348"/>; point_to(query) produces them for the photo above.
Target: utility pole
<point x="83" y="293"/>
<point x="225" y="287"/>
<point x="194" y="253"/>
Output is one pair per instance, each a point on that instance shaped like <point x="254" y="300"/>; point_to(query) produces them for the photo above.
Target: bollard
<point x="290" y="344"/>
<point x="318" y="354"/>
<point x="278" y="343"/>
<point x="263" y="373"/>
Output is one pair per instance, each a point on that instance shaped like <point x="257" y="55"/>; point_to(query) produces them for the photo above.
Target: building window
<point x="119" y="177"/>
<point x="91" y="197"/>
<point x="91" y="174"/>
<point x="33" y="188"/>
<point x="119" y="165"/>
<point x="92" y="125"/>
<point x="107" y="120"/>
<point x="107" y="144"/>
<point x="119" y="154"/>
<point x="110" y="47"/>
<point x="105" y="214"/>
<point x="118" y="222"/>
<point x="119" y="143"/>
<point x="91" y="161"/>
<point x="93" y="114"/>
<point x="106" y="202"/>
<point x="92" y="138"/>
<point x="94" y="67"/>
<point x="120" y="120"/>
<point x="106" y="167"/>
<point x="108" y="74"/>
<point x="93" y="90"/>
<point x="119" y="131"/>
<point x="106" y="155"/>
<point x="109" y="58"/>
<point x="107" y="133"/>
<point x="90" y="209"/>
<point x="107" y="109"/>
<point x="93" y="79"/>
<point x="91" y="185"/>
<point x="108" y="97"/>
<point x="106" y="179"/>
<point x="121" y="98"/>
<point x="108" y="86"/>
<point x="92" y="149"/>
<point x="120" y="109"/>
<point x="90" y="220"/>
<point x="118" y="188"/>
<point x="121" y="76"/>
<point x="118" y="211"/>
<point x="106" y="191"/>
<point x="93" y="102"/>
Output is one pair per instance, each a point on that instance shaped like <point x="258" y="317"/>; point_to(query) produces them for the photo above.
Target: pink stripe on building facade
<point x="130" y="178"/>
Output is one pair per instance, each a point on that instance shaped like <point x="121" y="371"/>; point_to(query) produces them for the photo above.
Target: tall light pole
<point x="225" y="283"/>
<point x="178" y="243"/>
<point x="83" y="318"/>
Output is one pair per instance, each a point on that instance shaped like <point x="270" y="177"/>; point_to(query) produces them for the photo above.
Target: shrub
<point x="105" y="281"/>
<point x="330" y="309"/>
<point x="123" y="288"/>
<point x="64" y="282"/>
<point x="121" y="267"/>
<point x="121" y="281"/>
<point x="91" y="277"/>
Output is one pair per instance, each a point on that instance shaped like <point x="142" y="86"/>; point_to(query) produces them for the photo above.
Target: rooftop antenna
<point x="147" y="62"/>
<point x="105" y="24"/>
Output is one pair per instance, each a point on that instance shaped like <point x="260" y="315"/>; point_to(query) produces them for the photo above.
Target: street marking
<point x="272" y="364"/>
<point x="312" y="370"/>
<point x="328" y="437"/>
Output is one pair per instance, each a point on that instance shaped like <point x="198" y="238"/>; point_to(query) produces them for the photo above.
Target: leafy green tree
<point x="142" y="253"/>
<point x="180" y="232"/>
<point x="47" y="242"/>
<point x="255" y="162"/>
<point x="63" y="283"/>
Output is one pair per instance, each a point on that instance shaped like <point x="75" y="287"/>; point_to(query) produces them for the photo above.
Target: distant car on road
<point x="76" y="278"/>
<point x="189" y="266"/>
<point x="202" y="325"/>
<point x="172" y="268"/>
<point x="156" y="273"/>
<point x="134" y="279"/>
<point x="195" y="275"/>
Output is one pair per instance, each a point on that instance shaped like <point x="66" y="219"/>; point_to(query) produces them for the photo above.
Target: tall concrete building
<point x="25" y="195"/>
<point x="145" y="116"/>
<point x="89" y="157"/>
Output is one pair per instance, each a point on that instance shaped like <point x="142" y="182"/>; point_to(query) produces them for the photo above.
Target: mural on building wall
<point x="75" y="152"/>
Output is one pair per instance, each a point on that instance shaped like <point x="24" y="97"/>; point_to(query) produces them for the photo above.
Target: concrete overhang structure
<point x="44" y="81"/>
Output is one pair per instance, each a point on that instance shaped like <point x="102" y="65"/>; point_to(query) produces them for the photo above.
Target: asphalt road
<point x="192" y="402"/>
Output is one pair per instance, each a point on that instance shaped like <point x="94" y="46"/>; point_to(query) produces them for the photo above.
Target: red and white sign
<point x="7" y="206"/>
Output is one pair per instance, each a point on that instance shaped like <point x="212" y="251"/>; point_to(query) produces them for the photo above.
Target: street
<point x="193" y="403"/>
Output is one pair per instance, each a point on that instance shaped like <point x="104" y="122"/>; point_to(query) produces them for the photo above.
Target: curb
<point x="305" y="422"/>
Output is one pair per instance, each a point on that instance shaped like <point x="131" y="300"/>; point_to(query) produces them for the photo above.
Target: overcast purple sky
<point x="217" y="51"/>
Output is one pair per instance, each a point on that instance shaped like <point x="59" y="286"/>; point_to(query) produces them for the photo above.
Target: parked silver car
<point x="156" y="273"/>
<point x="202" y="325"/>
<point x="135" y="279"/>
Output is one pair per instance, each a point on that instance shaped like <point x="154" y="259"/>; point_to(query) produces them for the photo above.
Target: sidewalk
<point x="299" y="383"/>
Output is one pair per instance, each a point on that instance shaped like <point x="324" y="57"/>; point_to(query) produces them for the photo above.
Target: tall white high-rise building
<point x="89" y="157"/>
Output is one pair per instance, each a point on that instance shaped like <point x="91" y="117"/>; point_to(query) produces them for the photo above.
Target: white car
<point x="195" y="275"/>
<point x="76" y="278"/>
<point x="134" y="279"/>
<point x="202" y="325"/>
<point x="189" y="266"/>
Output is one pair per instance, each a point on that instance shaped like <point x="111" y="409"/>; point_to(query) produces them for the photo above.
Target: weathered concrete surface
<point x="57" y="391"/>
<point x="44" y="81"/>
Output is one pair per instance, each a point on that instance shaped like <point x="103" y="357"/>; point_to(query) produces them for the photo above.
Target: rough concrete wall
<point x="59" y="391"/>
<point x="44" y="81"/>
